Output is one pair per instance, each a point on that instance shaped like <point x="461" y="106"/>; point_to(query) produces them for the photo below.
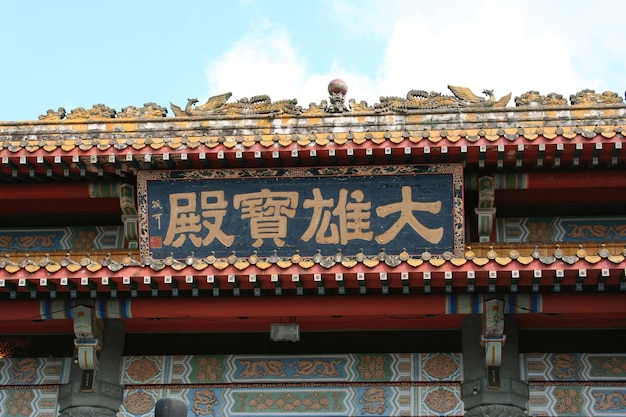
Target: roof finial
<point x="337" y="89"/>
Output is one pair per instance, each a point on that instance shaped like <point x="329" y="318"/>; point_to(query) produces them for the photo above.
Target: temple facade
<point x="439" y="254"/>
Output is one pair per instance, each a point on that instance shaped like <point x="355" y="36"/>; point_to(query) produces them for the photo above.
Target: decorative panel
<point x="79" y="238"/>
<point x="328" y="385"/>
<point x="571" y="384"/>
<point x="560" y="229"/>
<point x="281" y="211"/>
<point x="28" y="402"/>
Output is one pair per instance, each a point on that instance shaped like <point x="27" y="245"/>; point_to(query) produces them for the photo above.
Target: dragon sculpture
<point x="422" y="100"/>
<point x="533" y="98"/>
<point x="469" y="99"/>
<point x="257" y="105"/>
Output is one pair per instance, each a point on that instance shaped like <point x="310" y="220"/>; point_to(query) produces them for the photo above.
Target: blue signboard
<point x="266" y="211"/>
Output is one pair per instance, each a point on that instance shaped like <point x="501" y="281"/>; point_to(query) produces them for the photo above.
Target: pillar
<point x="102" y="394"/>
<point x="495" y="392"/>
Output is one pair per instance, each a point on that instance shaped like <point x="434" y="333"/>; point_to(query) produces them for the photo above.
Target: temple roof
<point x="482" y="133"/>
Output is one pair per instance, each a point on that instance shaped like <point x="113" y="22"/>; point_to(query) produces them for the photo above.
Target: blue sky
<point x="78" y="53"/>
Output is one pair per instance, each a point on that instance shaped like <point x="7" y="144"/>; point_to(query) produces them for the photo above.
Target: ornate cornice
<point x="462" y="98"/>
<point x="502" y="259"/>
<point x="194" y="139"/>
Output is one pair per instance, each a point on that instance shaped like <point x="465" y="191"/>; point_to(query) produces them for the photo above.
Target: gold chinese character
<point x="213" y="206"/>
<point x="157" y="217"/>
<point x="406" y="208"/>
<point x="183" y="219"/>
<point x="268" y="212"/>
<point x="353" y="218"/>
<point x="185" y="222"/>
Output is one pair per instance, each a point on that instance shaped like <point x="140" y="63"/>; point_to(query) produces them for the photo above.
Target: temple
<point x="439" y="254"/>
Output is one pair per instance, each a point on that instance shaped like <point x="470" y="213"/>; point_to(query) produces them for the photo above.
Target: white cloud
<point x="490" y="48"/>
<point x="263" y="62"/>
<point x="508" y="46"/>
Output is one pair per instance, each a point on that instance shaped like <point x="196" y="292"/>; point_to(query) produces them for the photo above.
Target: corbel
<point x="313" y="157"/>
<point x="173" y="283"/>
<point x="295" y="279"/>
<point x="500" y="161"/>
<point x="221" y="159"/>
<point x="11" y="286"/>
<point x="256" y="287"/>
<point x="317" y="278"/>
<point x="129" y="159"/>
<point x="131" y="284"/>
<point x="471" y="281"/>
<point x="558" y="154"/>
<point x="210" y="279"/>
<point x="71" y="285"/>
<point x="276" y="158"/>
<point x="258" y="157"/>
<point x="384" y="284"/>
<point x="595" y="158"/>
<point x="275" y="279"/>
<point x="154" y="286"/>
<point x="65" y="167"/>
<point x="350" y="155"/>
<point x="514" y="280"/>
<point x="580" y="278"/>
<point x="536" y="280"/>
<point x="341" y="287"/>
<point x="360" y="277"/>
<point x="76" y="160"/>
<point x="427" y="154"/>
<point x="93" y="160"/>
<point x="559" y="274"/>
<point x="482" y="154"/>
<point x="203" y="159"/>
<point x="107" y="282"/>
<point x="408" y="156"/>
<point x="32" y="287"/>
<point x="239" y="157"/>
<point x="190" y="280"/>
<point x="184" y="157"/>
<point x="295" y="157"/>
<point x="444" y="153"/>
<point x="51" y="286"/>
<point x="42" y="162"/>
<point x="602" y="276"/>
<point x="540" y="155"/>
<point x="578" y="150"/>
<point x="234" y="282"/>
<point x="404" y="278"/>
<point x="332" y="154"/>
<point x="493" y="277"/>
<point x="93" y="287"/>
<point x="427" y="287"/>
<point x="519" y="158"/>
<point x="616" y="151"/>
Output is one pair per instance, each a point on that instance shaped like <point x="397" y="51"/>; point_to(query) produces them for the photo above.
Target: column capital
<point x="85" y="411"/>
<point x="496" y="410"/>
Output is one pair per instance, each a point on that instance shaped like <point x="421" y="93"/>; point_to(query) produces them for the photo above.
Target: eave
<point x="482" y="270"/>
<point x="573" y="137"/>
